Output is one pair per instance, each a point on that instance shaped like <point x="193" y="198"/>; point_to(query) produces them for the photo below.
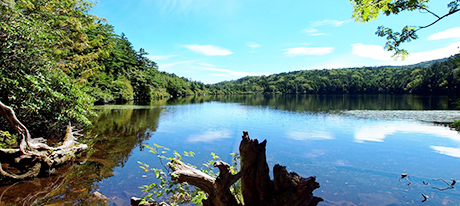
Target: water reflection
<point x="210" y="135"/>
<point x="378" y="133"/>
<point x="321" y="103"/>
<point x="309" y="135"/>
<point x="450" y="151"/>
<point x="327" y="103"/>
<point x="116" y="133"/>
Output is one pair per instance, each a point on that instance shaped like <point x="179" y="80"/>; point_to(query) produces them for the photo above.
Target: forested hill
<point x="127" y="74"/>
<point x="435" y="77"/>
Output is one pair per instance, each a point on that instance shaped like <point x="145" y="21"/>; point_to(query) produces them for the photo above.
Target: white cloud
<point x="453" y="33"/>
<point x="309" y="135"/>
<point x="162" y="66"/>
<point x="185" y="8"/>
<point x="450" y="151"/>
<point x="160" y="57"/>
<point x="302" y="51"/>
<point x="206" y="64"/>
<point x="318" y="34"/>
<point x="371" y="51"/>
<point x="378" y="53"/>
<point x="210" y="135"/>
<point x="253" y="45"/>
<point x="312" y="31"/>
<point x="220" y="75"/>
<point x="227" y="72"/>
<point x="209" y="50"/>
<point x="435" y="54"/>
<point x="327" y="22"/>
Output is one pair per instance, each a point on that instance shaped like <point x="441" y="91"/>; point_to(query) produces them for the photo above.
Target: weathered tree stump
<point x="286" y="189"/>
<point x="34" y="152"/>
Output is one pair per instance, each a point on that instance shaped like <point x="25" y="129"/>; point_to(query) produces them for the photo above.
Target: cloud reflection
<point x="450" y="151"/>
<point x="210" y="135"/>
<point x="309" y="135"/>
<point x="380" y="132"/>
<point x="374" y="134"/>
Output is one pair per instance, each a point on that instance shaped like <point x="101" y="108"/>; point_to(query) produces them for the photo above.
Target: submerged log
<point x="35" y="151"/>
<point x="286" y="189"/>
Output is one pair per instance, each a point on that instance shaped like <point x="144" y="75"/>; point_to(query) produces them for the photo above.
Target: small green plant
<point x="180" y="193"/>
<point x="7" y="140"/>
<point x="456" y="125"/>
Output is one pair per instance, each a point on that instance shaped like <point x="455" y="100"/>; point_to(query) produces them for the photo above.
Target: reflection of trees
<point x="326" y="103"/>
<point x="191" y="100"/>
<point x="116" y="132"/>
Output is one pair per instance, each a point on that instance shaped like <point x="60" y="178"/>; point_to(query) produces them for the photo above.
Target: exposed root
<point x="37" y="150"/>
<point x="31" y="173"/>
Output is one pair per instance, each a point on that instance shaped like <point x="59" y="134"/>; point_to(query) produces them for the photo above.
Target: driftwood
<point x="286" y="189"/>
<point x="35" y="152"/>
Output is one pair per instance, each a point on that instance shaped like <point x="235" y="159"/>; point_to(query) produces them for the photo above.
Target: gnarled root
<point x="36" y="150"/>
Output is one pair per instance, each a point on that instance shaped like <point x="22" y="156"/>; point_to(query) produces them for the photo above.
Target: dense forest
<point x="431" y="78"/>
<point x="57" y="61"/>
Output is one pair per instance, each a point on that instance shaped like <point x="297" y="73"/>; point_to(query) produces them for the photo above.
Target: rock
<point x="99" y="197"/>
<point x="135" y="202"/>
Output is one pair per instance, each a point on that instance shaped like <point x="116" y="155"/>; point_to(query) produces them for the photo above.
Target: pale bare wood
<point x="36" y="149"/>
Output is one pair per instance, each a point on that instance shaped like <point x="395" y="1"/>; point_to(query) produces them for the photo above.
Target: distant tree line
<point x="438" y="78"/>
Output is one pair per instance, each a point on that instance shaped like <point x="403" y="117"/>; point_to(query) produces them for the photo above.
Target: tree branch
<point x="218" y="189"/>
<point x="439" y="18"/>
<point x="431" y="12"/>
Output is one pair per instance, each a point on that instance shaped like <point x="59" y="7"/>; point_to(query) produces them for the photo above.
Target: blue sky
<point x="212" y="41"/>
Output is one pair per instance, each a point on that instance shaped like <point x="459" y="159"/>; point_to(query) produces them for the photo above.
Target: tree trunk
<point x="287" y="189"/>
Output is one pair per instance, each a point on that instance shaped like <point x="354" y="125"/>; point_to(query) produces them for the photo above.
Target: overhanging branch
<point x="438" y="18"/>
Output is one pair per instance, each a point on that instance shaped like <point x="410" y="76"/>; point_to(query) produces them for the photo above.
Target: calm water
<point x="356" y="146"/>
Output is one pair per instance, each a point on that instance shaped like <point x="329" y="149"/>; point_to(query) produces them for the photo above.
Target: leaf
<point x="214" y="156"/>
<point x="159" y="194"/>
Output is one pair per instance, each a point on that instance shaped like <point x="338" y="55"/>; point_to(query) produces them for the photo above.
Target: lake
<point x="358" y="147"/>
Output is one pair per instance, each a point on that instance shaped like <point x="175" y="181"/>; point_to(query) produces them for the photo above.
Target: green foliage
<point x="437" y="78"/>
<point x="122" y="60"/>
<point x="7" y="140"/>
<point x="368" y="10"/>
<point x="123" y="90"/>
<point x="456" y="125"/>
<point x="179" y="193"/>
<point x="41" y="43"/>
